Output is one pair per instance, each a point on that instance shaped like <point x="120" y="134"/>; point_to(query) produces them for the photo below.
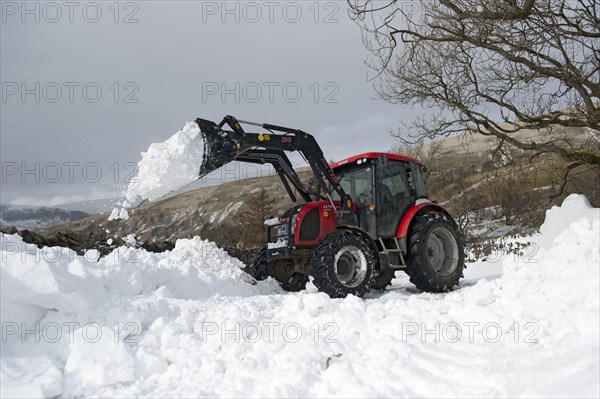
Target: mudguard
<point x="412" y="212"/>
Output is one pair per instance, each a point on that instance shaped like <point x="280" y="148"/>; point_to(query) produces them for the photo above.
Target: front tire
<point x="282" y="272"/>
<point x="288" y="279"/>
<point x="435" y="258"/>
<point x="343" y="264"/>
<point x="383" y="280"/>
<point x="258" y="268"/>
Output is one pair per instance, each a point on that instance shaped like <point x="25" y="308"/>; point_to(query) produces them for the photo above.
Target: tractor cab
<point x="383" y="187"/>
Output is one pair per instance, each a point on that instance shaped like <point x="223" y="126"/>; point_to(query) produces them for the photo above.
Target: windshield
<point x="356" y="180"/>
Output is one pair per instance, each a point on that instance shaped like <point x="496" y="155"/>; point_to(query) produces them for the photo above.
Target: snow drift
<point x="184" y="323"/>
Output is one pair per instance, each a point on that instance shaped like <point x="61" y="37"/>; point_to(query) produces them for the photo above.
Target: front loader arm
<point x="223" y="146"/>
<point x="282" y="166"/>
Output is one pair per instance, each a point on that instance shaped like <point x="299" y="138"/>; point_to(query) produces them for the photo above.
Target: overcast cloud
<point x="168" y="65"/>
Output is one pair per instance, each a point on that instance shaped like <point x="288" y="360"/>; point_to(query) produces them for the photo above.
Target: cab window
<point x="415" y="178"/>
<point x="357" y="181"/>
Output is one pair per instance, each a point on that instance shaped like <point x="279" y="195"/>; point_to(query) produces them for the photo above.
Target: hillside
<point x="483" y="189"/>
<point x="486" y="186"/>
<point x="212" y="212"/>
<point x="184" y="214"/>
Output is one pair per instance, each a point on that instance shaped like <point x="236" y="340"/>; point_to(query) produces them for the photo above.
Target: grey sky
<point x="171" y="61"/>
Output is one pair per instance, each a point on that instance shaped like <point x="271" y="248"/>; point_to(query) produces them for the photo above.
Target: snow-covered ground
<point x="188" y="323"/>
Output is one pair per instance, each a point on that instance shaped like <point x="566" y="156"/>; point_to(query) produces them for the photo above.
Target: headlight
<point x="281" y="230"/>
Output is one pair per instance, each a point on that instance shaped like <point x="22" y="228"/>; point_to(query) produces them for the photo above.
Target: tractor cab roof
<point x="371" y="155"/>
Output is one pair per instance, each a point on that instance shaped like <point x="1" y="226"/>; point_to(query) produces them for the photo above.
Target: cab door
<point x="394" y="195"/>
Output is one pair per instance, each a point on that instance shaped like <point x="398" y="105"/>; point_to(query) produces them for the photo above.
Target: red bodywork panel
<point x="408" y="216"/>
<point x="371" y="155"/>
<point x="327" y="223"/>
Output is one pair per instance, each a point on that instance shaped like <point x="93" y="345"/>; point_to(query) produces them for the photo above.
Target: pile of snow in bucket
<point x="169" y="165"/>
<point x="165" y="167"/>
<point x="185" y="324"/>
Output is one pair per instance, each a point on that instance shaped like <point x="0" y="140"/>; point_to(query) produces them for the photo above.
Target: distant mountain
<point x="92" y="207"/>
<point x="27" y="217"/>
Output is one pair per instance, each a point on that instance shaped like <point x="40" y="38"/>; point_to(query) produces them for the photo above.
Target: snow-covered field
<point x="188" y="323"/>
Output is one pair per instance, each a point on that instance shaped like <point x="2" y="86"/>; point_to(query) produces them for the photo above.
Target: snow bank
<point x="574" y="208"/>
<point x="81" y="310"/>
<point x="182" y="323"/>
<point x="169" y="165"/>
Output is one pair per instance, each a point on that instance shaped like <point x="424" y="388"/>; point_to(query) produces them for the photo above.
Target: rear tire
<point x="288" y="280"/>
<point x="343" y="264"/>
<point x="435" y="258"/>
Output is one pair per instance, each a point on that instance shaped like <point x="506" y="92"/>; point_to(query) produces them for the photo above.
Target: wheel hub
<point x="350" y="266"/>
<point x="343" y="267"/>
<point x="442" y="251"/>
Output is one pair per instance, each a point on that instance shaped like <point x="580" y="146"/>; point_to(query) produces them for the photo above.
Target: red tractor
<point x="361" y="219"/>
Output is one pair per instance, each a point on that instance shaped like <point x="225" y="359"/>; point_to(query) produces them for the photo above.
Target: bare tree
<point x="257" y="208"/>
<point x="497" y="67"/>
<point x="464" y="204"/>
<point x="429" y="155"/>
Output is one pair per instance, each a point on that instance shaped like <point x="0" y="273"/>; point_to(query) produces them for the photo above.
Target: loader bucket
<point x="219" y="148"/>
